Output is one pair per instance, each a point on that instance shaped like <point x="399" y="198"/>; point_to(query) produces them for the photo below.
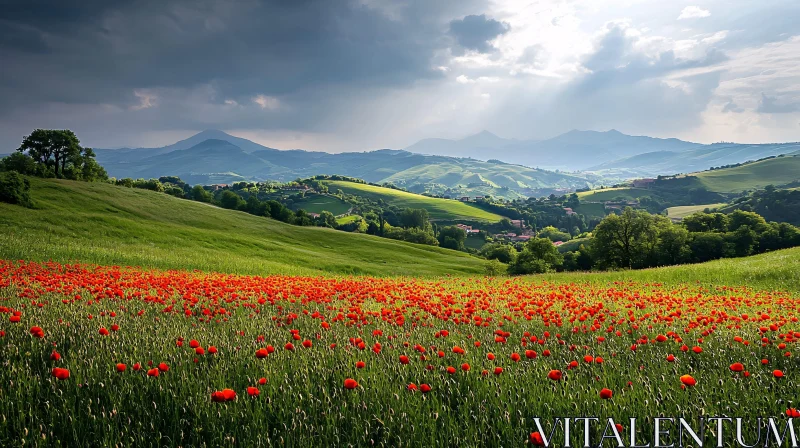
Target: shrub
<point x="15" y="189"/>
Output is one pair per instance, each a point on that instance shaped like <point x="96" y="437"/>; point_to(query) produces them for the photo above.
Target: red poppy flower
<point x="261" y="353"/>
<point x="200" y="351"/>
<point x="223" y="395"/>
<point x="163" y="367"/>
<point x="588" y="359"/>
<point x="554" y="375"/>
<point x="605" y="394"/>
<point x="515" y="357"/>
<point x="688" y="380"/>
<point x="37" y="332"/>
<point x="152" y="372"/>
<point x="60" y="373"/>
<point x="350" y="383"/>
<point x="424" y="388"/>
<point x="137" y="366"/>
<point x="536" y="439"/>
<point x="777" y="374"/>
<point x="114" y="327"/>
<point x="412" y="387"/>
<point x="451" y="370"/>
<point x="671" y="357"/>
<point x="490" y="356"/>
<point x="307" y="343"/>
<point x="194" y="343"/>
<point x="121" y="367"/>
<point x="619" y="427"/>
<point x="530" y="354"/>
<point x="498" y="370"/>
<point x="403" y="359"/>
<point x="697" y="349"/>
<point x="465" y="367"/>
<point x="212" y="350"/>
<point x="14" y="319"/>
<point x="103" y="331"/>
<point x="253" y="391"/>
<point x="262" y="381"/>
<point x="55" y="356"/>
<point x="793" y="413"/>
<point x="737" y="367"/>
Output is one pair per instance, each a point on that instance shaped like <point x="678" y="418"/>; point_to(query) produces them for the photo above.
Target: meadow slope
<point x="110" y="225"/>
<point x="439" y="209"/>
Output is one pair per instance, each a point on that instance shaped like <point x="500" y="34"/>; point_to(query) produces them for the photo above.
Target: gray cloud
<point x="772" y="105"/>
<point x="730" y="106"/>
<point x="475" y="32"/>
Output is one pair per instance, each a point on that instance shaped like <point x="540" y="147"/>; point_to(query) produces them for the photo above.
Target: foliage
<point x="15" y="189"/>
<point x="56" y="153"/>
<point x="538" y="256"/>
<point x="452" y="237"/>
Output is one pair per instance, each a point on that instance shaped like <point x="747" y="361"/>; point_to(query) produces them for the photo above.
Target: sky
<point x="356" y="75"/>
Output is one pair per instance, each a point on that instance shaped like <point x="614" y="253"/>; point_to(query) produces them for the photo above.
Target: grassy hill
<point x="439" y="209"/>
<point x="316" y="203"/>
<point x="110" y="225"/>
<point x="772" y="271"/>
<point x="751" y="176"/>
<point x="683" y="211"/>
<point x="608" y="194"/>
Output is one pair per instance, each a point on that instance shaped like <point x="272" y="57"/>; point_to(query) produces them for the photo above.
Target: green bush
<point x="15" y="189"/>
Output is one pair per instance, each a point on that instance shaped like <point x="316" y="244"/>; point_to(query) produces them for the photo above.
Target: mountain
<point x="223" y="159"/>
<point x="574" y="150"/>
<point x="696" y="159"/>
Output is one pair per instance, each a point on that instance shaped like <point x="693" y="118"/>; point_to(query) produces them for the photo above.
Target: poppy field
<point x="115" y="356"/>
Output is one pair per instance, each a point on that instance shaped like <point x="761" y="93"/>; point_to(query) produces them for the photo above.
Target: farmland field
<point x="147" y="357"/>
<point x="686" y="210"/>
<point x="315" y="203"/>
<point x="439" y="209"/>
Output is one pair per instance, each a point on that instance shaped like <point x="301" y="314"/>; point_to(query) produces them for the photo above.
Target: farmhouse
<point x="642" y="183"/>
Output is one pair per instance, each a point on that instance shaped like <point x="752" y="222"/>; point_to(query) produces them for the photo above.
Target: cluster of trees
<point x="781" y="205"/>
<point x="46" y="153"/>
<point x="635" y="239"/>
<point x="54" y="153"/>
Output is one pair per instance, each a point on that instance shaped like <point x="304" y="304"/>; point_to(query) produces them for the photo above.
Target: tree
<point x="414" y="218"/>
<point x="326" y="219"/>
<point x="672" y="247"/>
<point x="627" y="240"/>
<point x="231" y="200"/>
<point x="452" y="237"/>
<point x="53" y="148"/>
<point x="494" y="268"/>
<point x="539" y="256"/>
<point x="500" y="252"/>
<point x="15" y="189"/>
<point x="554" y="234"/>
<point x="19" y="162"/>
<point x="200" y="194"/>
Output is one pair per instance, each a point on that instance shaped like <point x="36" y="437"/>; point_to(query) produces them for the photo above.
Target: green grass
<point x="316" y="203"/>
<point x="683" y="211"/>
<point x="609" y="194"/>
<point x="591" y="209"/>
<point x="751" y="176"/>
<point x="439" y="209"/>
<point x="110" y="225"/>
<point x="772" y="271"/>
<point x="347" y="219"/>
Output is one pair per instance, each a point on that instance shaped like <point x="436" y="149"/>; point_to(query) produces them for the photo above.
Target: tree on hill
<point x="414" y="218"/>
<point x="452" y="237"/>
<point x="553" y="234"/>
<point x="55" y="153"/>
<point x="538" y="256"/>
<point x="15" y="189"/>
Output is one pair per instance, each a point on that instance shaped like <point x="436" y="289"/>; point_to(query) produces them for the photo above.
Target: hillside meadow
<point x="111" y="225"/>
<point x="438" y="209"/>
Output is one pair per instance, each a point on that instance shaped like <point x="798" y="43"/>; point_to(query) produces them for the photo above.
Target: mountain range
<point x="216" y="157"/>
<point x="482" y="164"/>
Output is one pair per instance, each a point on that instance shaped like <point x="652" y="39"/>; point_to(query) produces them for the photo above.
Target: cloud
<point x="772" y="105"/>
<point x="476" y="32"/>
<point x="730" y="106"/>
<point x="266" y="102"/>
<point x="694" y="12"/>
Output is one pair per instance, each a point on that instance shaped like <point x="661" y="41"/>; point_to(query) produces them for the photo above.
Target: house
<point x="557" y="243"/>
<point x="467" y="229"/>
<point x="314" y="215"/>
<point x="464" y="199"/>
<point x="569" y="211"/>
<point x="522" y="238"/>
<point x="642" y="183"/>
<point x="216" y="187"/>
<point x="518" y="222"/>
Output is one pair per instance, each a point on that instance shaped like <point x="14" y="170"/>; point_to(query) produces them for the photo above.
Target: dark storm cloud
<point x="474" y="32"/>
<point x="96" y="51"/>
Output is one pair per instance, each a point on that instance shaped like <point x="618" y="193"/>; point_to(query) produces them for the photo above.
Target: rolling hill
<point x="574" y="150"/>
<point x="700" y="158"/>
<point x="110" y="225"/>
<point x="438" y="209"/>
<point x="216" y="157"/>
<point x="751" y="176"/>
